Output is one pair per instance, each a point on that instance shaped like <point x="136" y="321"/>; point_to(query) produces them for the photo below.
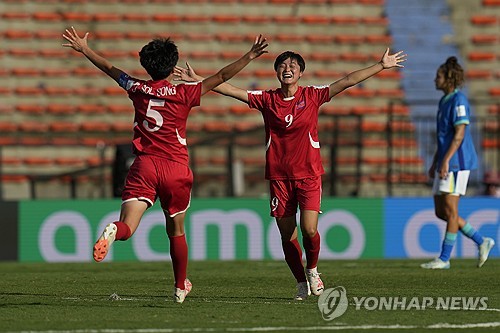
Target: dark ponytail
<point x="453" y="72"/>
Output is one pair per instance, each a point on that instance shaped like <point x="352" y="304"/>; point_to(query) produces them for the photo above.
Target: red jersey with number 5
<point x="161" y="111"/>
<point x="292" y="145"/>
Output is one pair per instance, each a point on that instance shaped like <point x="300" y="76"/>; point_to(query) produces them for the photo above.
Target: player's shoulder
<point x="460" y="98"/>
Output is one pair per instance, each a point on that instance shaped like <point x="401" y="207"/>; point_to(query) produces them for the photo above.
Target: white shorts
<point x="454" y="184"/>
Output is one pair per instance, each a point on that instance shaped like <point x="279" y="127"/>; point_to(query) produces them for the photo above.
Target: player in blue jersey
<point x="454" y="158"/>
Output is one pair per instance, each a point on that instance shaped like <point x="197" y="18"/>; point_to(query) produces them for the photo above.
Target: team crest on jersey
<point x="300" y="105"/>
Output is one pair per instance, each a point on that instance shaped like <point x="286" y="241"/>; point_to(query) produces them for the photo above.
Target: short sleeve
<point x="192" y="93"/>
<point x="320" y="93"/>
<point x="461" y="111"/>
<point x="256" y="99"/>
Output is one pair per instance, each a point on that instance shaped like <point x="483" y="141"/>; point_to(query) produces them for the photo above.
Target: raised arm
<point x="351" y="79"/>
<point x="79" y="44"/>
<point x="189" y="75"/>
<point x="258" y="48"/>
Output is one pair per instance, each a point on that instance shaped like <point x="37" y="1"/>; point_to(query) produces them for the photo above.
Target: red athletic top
<point x="292" y="146"/>
<point x="161" y="111"/>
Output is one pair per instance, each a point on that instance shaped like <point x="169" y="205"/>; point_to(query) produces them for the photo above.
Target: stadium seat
<point x="479" y="74"/>
<point x="91" y="109"/>
<point x="28" y="91"/>
<point x="37" y="161"/>
<point x="344" y="20"/>
<point x="166" y="18"/>
<point x="217" y="126"/>
<point x="69" y="161"/>
<point x="53" y="53"/>
<point x="315" y="19"/>
<point x="114" y="91"/>
<point x="117" y="109"/>
<point x="30" y="109"/>
<point x="319" y="39"/>
<point x="255" y="19"/>
<point x="48" y="34"/>
<point x="95" y="126"/>
<point x="484" y="20"/>
<point x="8" y="127"/>
<point x="494" y="92"/>
<point x="491" y="3"/>
<point x="33" y="126"/>
<point x="285" y="19"/>
<point x="24" y="72"/>
<point x="60" y="109"/>
<point x="64" y="127"/>
<point x="226" y="19"/>
<point x="481" y="56"/>
<point x="196" y="18"/>
<point x="349" y="39"/>
<point x="109" y="35"/>
<point x="484" y="39"/>
<point x="16" y="16"/>
<point x="214" y="110"/>
<point x="106" y="17"/>
<point x="136" y="17"/>
<point x="58" y="91"/>
<point x="122" y="126"/>
<point x="18" y="34"/>
<point x="46" y="16"/>
<point x="22" y="53"/>
<point x="76" y="17"/>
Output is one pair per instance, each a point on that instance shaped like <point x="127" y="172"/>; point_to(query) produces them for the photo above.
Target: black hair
<point x="453" y="72"/>
<point x="290" y="55"/>
<point x="159" y="58"/>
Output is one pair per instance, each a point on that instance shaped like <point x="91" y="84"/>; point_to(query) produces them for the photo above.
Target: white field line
<point x="276" y="329"/>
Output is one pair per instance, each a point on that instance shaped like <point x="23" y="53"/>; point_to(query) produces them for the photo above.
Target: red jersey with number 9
<point x="161" y="111"/>
<point x="292" y="145"/>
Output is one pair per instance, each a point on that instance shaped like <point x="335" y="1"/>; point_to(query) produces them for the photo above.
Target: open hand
<point x="392" y="60"/>
<point x="258" y="47"/>
<point x="76" y="42"/>
<point x="186" y="74"/>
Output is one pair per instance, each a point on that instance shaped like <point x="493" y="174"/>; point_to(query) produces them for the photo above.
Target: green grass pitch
<point x="238" y="296"/>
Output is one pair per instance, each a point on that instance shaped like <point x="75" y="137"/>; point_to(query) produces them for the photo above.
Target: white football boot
<point x="484" y="250"/>
<point x="101" y="247"/>
<point x="180" y="294"/>
<point x="315" y="282"/>
<point x="436" y="264"/>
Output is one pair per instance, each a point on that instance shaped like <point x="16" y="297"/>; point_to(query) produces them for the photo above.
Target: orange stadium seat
<point x="123" y="126"/>
<point x="119" y="109"/>
<point x="91" y="109"/>
<point x="94" y="126"/>
<point x="33" y="126"/>
<point x="8" y="126"/>
<point x="349" y="39"/>
<point x="114" y="91"/>
<point x="109" y="35"/>
<point x="30" y="109"/>
<point x="491" y="3"/>
<point x="47" y="34"/>
<point x="315" y="19"/>
<point x="323" y="57"/>
<point x="25" y="72"/>
<point x="136" y="17"/>
<point x="255" y="19"/>
<point x="484" y="39"/>
<point x="288" y="38"/>
<point x="107" y="17"/>
<point x="28" y="91"/>
<point x="36" y="160"/>
<point x="17" y="34"/>
<point x="483" y="20"/>
<point x="344" y="20"/>
<point x="199" y="36"/>
<point x="213" y="110"/>
<point x="375" y="20"/>
<point x="54" y="53"/>
<point x="354" y="57"/>
<point x="46" y="16"/>
<point x="285" y="19"/>
<point x="58" y="91"/>
<point x="226" y="18"/>
<point x="17" y="16"/>
<point x="217" y="126"/>
<point x="60" y="109"/>
<point x="378" y="39"/>
<point x="170" y="18"/>
<point x="64" y="127"/>
<point x="86" y="71"/>
<point x="494" y="92"/>
<point x="481" y="56"/>
<point x="479" y="74"/>
<point x="22" y="53"/>
<point x="76" y="17"/>
<point x="196" y="18"/>
<point x="372" y="2"/>
<point x="494" y="109"/>
<point x="320" y="39"/>
<point x="55" y="72"/>
<point x="69" y="161"/>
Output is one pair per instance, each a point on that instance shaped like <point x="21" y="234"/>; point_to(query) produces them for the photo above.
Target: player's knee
<point x="309" y="232"/>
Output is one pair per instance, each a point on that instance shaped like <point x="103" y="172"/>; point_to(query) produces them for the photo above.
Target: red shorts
<point x="151" y="177"/>
<point x="286" y="195"/>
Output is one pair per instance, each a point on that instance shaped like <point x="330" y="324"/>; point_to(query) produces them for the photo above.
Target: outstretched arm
<point x="351" y="79"/>
<point x="79" y="44"/>
<point x="258" y="48"/>
<point x="189" y="75"/>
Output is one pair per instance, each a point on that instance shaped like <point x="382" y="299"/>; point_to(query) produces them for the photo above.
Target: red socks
<point x="179" y="255"/>
<point x="311" y="247"/>
<point x="293" y="257"/>
<point x="122" y="231"/>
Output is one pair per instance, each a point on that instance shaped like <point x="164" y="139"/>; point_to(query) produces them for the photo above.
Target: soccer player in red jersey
<point x="293" y="161"/>
<point x="161" y="167"/>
